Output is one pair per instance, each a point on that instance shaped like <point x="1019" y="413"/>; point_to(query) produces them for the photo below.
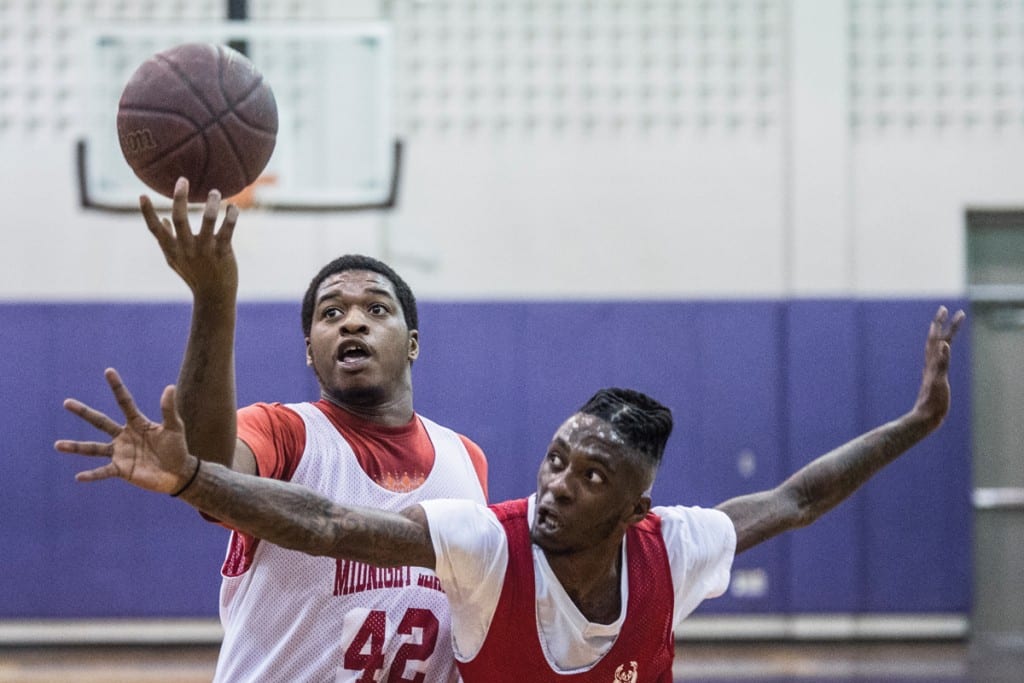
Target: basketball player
<point x="584" y="578"/>
<point x="288" y="616"/>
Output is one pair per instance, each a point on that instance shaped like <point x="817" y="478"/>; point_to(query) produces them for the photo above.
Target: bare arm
<point x="206" y="381"/>
<point x="827" y="481"/>
<point x="154" y="457"/>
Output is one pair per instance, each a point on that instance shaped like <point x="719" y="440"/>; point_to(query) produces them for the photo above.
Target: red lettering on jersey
<point x="430" y="581"/>
<point x="354" y="577"/>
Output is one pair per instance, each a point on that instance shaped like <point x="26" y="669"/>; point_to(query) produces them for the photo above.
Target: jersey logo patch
<point x="626" y="673"/>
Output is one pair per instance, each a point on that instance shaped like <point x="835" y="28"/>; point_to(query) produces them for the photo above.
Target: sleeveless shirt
<point x="644" y="648"/>
<point x="295" y="617"/>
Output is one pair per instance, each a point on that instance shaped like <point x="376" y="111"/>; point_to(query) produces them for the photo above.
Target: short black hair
<point x="642" y="422"/>
<point x="359" y="262"/>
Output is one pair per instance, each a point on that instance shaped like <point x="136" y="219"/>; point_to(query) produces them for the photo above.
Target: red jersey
<point x="643" y="651"/>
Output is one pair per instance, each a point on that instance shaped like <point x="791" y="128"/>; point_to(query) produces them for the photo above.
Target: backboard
<point x="335" y="148"/>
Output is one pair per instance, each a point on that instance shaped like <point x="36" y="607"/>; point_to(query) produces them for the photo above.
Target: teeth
<point x="353" y="352"/>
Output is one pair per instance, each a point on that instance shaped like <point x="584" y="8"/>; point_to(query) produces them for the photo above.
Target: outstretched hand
<point x="204" y="260"/>
<point x="149" y="455"/>
<point x="933" y="398"/>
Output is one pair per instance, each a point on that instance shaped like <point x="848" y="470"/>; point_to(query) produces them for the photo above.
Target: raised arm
<point x="206" y="381"/>
<point x="824" y="483"/>
<point x="154" y="457"/>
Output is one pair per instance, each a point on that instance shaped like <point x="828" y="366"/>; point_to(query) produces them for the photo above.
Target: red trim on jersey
<point x="397" y="458"/>
<point x="512" y="653"/>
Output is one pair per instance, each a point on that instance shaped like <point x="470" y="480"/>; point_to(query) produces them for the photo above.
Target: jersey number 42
<point x="369" y="650"/>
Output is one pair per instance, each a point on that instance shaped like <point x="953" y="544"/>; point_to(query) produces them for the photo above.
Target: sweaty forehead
<point x="354" y="282"/>
<point x="583" y="430"/>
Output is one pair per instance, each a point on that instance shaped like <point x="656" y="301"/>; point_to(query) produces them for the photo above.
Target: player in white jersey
<point x="286" y="616"/>
<point x="344" y="620"/>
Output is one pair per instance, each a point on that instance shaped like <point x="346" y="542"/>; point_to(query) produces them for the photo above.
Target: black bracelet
<point x="190" y="480"/>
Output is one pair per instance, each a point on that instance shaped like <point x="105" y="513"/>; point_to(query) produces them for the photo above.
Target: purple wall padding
<point x="758" y="388"/>
<point x="917" y="519"/>
<point x="824" y="568"/>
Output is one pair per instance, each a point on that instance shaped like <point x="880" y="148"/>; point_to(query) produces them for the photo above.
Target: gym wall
<point x="750" y="209"/>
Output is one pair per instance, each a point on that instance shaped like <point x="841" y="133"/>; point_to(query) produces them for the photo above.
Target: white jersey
<point x="294" y="617"/>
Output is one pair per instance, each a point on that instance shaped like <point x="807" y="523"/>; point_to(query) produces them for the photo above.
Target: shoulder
<point x="671" y="514"/>
<point x="700" y="544"/>
<point x="270" y="421"/>
<point x="276" y="436"/>
<point x="268" y="412"/>
<point x="442" y="511"/>
<point x="476" y="454"/>
<point x="696" y="529"/>
<point x="461" y="528"/>
<point x="510" y="509"/>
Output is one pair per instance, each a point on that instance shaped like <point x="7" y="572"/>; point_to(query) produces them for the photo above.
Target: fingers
<point x="108" y="471"/>
<point x="179" y="212"/>
<point x="935" y="328"/>
<point x="227" y="228"/>
<point x="210" y="211"/>
<point x="942" y="357"/>
<point x="161" y="229"/>
<point x="958" y="320"/>
<point x="94" y="417"/>
<point x="170" y="411"/>
<point x="123" y="397"/>
<point x="177" y="229"/>
<point x="91" y="448"/>
<point x="939" y="328"/>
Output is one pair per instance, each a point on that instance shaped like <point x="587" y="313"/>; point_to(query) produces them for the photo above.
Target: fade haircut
<point x="406" y="299"/>
<point x="641" y="421"/>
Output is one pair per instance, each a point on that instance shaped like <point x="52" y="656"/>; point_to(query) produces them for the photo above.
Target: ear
<point x="639" y="511"/>
<point x="309" y="353"/>
<point x="414" y="345"/>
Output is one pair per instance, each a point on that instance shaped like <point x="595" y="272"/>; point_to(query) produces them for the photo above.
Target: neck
<point x="592" y="579"/>
<point x="395" y="411"/>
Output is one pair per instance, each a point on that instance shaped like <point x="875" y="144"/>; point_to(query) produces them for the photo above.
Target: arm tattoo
<point x="297" y="518"/>
<point x="830" y="479"/>
<point x="822" y="484"/>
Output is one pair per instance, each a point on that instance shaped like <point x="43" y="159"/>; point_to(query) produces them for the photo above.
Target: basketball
<point x="201" y="111"/>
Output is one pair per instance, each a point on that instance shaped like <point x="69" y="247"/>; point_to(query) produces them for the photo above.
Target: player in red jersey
<point x="572" y="581"/>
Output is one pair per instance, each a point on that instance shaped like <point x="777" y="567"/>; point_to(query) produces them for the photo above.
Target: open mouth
<point x="546" y="520"/>
<point x="353" y="354"/>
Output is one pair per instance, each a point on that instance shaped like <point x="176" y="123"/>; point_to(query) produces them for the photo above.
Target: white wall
<point x="601" y="148"/>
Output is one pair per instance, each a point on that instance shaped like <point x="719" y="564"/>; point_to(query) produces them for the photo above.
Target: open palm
<point x="149" y="455"/>
<point x="934" y="395"/>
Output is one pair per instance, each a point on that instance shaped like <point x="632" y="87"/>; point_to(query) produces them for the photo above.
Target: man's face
<point x="358" y="344"/>
<point x="589" y="488"/>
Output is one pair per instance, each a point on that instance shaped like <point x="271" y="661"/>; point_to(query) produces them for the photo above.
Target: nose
<point x="354" y="322"/>
<point x="559" y="486"/>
